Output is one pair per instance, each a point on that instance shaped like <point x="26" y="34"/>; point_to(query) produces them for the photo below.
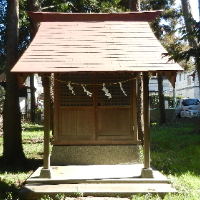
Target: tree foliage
<point x="165" y="29"/>
<point x="167" y="21"/>
<point x="193" y="51"/>
<point x="154" y="101"/>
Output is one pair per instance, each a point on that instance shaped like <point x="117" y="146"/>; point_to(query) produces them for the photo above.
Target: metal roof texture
<point x="94" y="46"/>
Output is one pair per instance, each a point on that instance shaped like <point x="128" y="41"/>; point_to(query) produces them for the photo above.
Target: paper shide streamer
<point x="70" y="87"/>
<point x="120" y="84"/>
<point x="86" y="91"/>
<point x="106" y="91"/>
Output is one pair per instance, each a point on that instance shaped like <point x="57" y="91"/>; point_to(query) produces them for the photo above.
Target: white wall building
<point x="38" y="87"/>
<point x="187" y="84"/>
<point x="153" y="86"/>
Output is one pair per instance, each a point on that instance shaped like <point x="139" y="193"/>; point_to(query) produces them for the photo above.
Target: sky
<point x="194" y="8"/>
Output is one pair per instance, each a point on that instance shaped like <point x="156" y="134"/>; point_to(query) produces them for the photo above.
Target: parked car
<point x="187" y="107"/>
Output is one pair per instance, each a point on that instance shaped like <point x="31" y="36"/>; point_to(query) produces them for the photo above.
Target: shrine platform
<point x="95" y="181"/>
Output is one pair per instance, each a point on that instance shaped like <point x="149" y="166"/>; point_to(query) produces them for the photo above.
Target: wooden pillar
<point x="46" y="171"/>
<point x="146" y="121"/>
<point x="135" y="116"/>
<point x="147" y="171"/>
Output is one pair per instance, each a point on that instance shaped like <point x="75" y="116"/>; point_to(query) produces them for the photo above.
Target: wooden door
<point x="86" y="114"/>
<point x="114" y="116"/>
<point x="76" y="108"/>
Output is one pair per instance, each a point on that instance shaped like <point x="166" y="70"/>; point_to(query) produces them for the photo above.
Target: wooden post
<point x="135" y="116"/>
<point x="147" y="171"/>
<point x="46" y="171"/>
<point x="146" y="121"/>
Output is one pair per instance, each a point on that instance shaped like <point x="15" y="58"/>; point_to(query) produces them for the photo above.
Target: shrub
<point x="154" y="101"/>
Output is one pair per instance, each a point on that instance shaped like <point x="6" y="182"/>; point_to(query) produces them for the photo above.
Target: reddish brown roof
<point x="94" y="46"/>
<point x="67" y="17"/>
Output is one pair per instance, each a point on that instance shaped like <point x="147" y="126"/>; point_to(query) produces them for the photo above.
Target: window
<point x="120" y="94"/>
<point x="73" y="93"/>
<point x="188" y="102"/>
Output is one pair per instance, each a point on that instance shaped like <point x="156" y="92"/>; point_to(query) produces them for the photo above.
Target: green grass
<point x="12" y="178"/>
<point x="174" y="151"/>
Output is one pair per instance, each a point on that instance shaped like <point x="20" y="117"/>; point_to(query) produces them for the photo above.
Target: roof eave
<point x="146" y="16"/>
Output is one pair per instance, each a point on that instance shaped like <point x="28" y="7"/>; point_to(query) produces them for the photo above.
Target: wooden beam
<point x="135" y="111"/>
<point x="46" y="86"/>
<point x="171" y="75"/>
<point x="146" y="120"/>
<point x="21" y="79"/>
<point x="46" y="172"/>
<point x="148" y="16"/>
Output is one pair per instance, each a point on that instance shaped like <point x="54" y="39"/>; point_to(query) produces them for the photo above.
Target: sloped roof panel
<point x="94" y="46"/>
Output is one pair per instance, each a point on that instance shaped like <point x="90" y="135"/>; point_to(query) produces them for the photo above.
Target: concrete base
<point x="147" y="173"/>
<point x="46" y="173"/>
<point x="93" y="190"/>
<point x="96" y="174"/>
<point x="96" y="181"/>
<point x="96" y="155"/>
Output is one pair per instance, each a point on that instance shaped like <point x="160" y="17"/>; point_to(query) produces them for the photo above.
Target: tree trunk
<point x="12" y="151"/>
<point x="134" y="5"/>
<point x="187" y="16"/>
<point x="192" y="42"/>
<point x="34" y="5"/>
<point x="161" y="100"/>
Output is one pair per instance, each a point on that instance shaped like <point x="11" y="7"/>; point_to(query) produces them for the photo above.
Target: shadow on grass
<point x="8" y="191"/>
<point x="27" y="166"/>
<point x="8" y="187"/>
<point x="32" y="127"/>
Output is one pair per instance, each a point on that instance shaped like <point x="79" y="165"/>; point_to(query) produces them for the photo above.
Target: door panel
<point x="114" y="122"/>
<point x="77" y="124"/>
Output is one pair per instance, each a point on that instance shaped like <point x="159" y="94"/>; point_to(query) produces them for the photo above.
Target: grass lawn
<point x="174" y="151"/>
<point x="12" y="178"/>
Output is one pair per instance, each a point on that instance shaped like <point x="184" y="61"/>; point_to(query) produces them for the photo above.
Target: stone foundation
<point x="96" y="155"/>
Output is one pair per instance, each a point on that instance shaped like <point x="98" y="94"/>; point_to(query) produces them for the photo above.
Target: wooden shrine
<point x="94" y="62"/>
